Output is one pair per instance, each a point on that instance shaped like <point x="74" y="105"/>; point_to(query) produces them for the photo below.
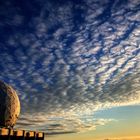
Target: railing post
<point x="4" y="134"/>
<point x="40" y="136"/>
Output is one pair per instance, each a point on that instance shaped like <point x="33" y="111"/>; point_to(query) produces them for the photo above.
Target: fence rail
<point x="10" y="134"/>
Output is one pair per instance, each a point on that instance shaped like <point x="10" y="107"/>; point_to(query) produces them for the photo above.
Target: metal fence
<point x="10" y="134"/>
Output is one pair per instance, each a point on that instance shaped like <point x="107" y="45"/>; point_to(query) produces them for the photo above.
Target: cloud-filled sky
<point x="69" y="59"/>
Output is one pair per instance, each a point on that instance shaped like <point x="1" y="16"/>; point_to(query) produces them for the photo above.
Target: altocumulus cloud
<point x="68" y="59"/>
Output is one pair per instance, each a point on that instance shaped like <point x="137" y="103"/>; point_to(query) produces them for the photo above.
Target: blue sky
<point x="70" y="59"/>
<point x="120" y="113"/>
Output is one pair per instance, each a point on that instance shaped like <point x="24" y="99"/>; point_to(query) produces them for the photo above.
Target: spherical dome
<point x="9" y="105"/>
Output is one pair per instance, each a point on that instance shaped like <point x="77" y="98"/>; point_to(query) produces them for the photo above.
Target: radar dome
<point x="9" y="105"/>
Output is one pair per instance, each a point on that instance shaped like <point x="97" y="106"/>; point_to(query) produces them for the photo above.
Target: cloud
<point x="60" y="124"/>
<point x="69" y="59"/>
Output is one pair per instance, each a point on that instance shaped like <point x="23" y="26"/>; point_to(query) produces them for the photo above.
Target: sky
<point x="75" y="65"/>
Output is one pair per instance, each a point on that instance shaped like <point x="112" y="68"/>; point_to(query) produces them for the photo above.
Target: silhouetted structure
<point x="10" y="134"/>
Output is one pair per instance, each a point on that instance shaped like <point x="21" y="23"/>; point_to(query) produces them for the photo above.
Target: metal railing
<point x="10" y="134"/>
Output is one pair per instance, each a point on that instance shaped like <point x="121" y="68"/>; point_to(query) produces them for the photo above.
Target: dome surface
<point x="9" y="105"/>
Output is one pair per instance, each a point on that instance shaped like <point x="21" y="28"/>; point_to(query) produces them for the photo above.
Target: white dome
<point x="9" y="105"/>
